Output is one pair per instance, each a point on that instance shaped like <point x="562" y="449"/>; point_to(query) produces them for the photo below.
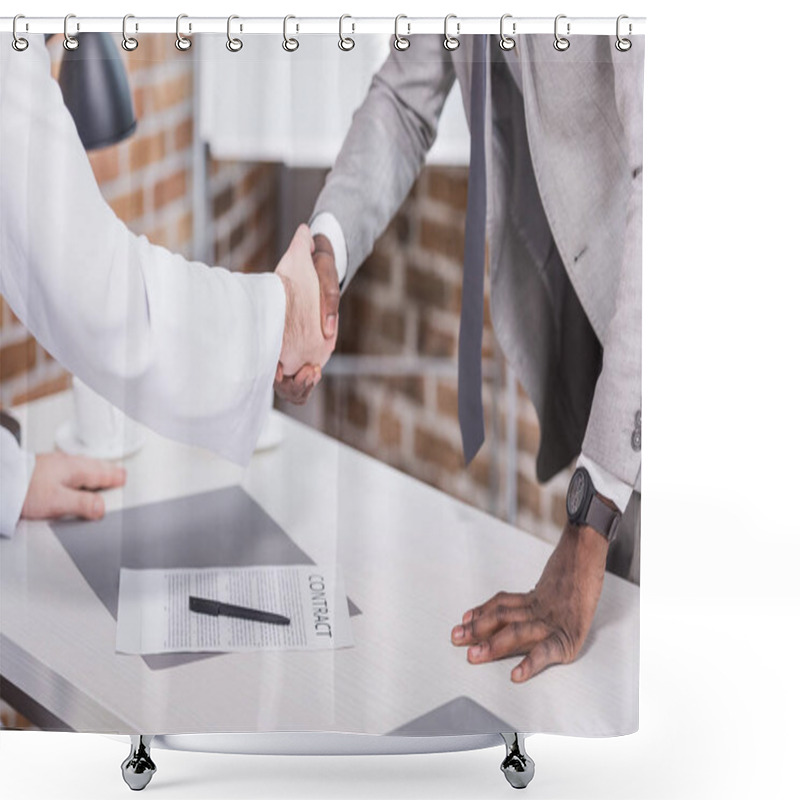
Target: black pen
<point x="215" y="608"/>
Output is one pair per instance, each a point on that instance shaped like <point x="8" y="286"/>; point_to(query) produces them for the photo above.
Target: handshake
<point x="311" y="282"/>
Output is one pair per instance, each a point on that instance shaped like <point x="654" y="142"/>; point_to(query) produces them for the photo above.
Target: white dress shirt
<point x="190" y="351"/>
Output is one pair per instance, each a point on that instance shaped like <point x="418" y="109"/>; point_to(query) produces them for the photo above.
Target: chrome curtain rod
<point x="407" y="26"/>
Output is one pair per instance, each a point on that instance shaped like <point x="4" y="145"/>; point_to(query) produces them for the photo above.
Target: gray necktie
<point x="470" y="404"/>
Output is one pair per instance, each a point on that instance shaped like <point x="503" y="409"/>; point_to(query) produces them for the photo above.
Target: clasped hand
<point x="311" y="283"/>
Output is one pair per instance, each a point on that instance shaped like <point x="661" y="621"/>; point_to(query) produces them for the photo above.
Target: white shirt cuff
<point x="606" y="484"/>
<point x="16" y="468"/>
<point x="326" y="224"/>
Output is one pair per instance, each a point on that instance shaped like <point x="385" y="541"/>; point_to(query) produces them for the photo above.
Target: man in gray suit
<point x="562" y="141"/>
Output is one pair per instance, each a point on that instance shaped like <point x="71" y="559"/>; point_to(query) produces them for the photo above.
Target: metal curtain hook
<point x="506" y="42"/>
<point x="345" y="42"/>
<point x="234" y="45"/>
<point x="623" y="45"/>
<point x="181" y="42"/>
<point x="290" y="44"/>
<point x="129" y="43"/>
<point x="561" y="43"/>
<point x="400" y="42"/>
<point x="18" y="43"/>
<point x="451" y="42"/>
<point x="70" y="42"/>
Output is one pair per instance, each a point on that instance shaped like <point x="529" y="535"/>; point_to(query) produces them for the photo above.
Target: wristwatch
<point x="584" y="506"/>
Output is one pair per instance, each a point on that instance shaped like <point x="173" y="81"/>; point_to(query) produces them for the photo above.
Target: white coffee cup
<point x="98" y="423"/>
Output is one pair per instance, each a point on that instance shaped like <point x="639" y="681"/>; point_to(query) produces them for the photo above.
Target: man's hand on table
<point x="297" y="387"/>
<point x="63" y="485"/>
<point x="549" y="624"/>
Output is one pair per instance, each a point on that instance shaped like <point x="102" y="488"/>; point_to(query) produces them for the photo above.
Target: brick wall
<point x="406" y="301"/>
<point x="147" y="180"/>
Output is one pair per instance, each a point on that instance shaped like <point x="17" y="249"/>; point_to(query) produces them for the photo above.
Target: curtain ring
<point x="401" y="42"/>
<point x="289" y="44"/>
<point x="345" y="42"/>
<point x="233" y="44"/>
<point x="561" y="43"/>
<point x="623" y="45"/>
<point x="181" y="42"/>
<point x="70" y="42"/>
<point x="129" y="43"/>
<point x="506" y="42"/>
<point x="451" y="42"/>
<point x="18" y="43"/>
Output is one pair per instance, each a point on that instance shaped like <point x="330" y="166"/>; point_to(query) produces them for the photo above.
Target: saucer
<point x="130" y="442"/>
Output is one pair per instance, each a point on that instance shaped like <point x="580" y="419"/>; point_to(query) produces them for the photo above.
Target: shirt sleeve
<point x="190" y="351"/>
<point x="16" y="468"/>
<point x="608" y="484"/>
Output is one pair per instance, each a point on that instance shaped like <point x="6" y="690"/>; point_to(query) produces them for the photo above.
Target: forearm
<point x="188" y="350"/>
<point x="386" y="146"/>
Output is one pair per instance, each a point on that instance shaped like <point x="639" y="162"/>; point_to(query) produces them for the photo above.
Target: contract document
<point x="154" y="614"/>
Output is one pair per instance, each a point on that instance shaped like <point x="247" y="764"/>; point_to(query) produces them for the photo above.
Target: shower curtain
<point x="260" y="350"/>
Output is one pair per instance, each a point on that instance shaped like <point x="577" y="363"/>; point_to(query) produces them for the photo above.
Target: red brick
<point x="390" y="429"/>
<point x="447" y="240"/>
<point x="401" y="227"/>
<point x="141" y="104"/>
<point x="529" y="495"/>
<point x="170" y="189"/>
<point x="184" y="229"/>
<point x="426" y="287"/>
<point x="437" y="450"/>
<point x="147" y="150"/>
<point x="449" y="186"/>
<point x="184" y="133"/>
<point x="558" y="510"/>
<point x="393" y="327"/>
<point x="128" y="207"/>
<point x="17" y="358"/>
<point x="433" y="341"/>
<point x="105" y="163"/>
<point x="528" y="436"/>
<point x="447" y="399"/>
<point x="238" y="235"/>
<point x="223" y="202"/>
<point x="159" y="236"/>
<point x="357" y="411"/>
<point x="412" y="386"/>
<point x="152" y="48"/>
<point x="378" y="267"/>
<point x="170" y="93"/>
<point x="43" y="389"/>
<point x="480" y="470"/>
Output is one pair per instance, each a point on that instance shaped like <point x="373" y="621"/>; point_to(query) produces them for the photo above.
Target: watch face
<point x="576" y="493"/>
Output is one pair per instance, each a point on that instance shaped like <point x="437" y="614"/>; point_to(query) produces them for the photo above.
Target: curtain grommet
<point x="19" y="43"/>
<point x="289" y="44"/>
<point x="129" y="43"/>
<point x="181" y="42"/>
<point x="401" y="43"/>
<point x="451" y="42"/>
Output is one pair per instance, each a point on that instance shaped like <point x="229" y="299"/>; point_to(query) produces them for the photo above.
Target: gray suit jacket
<point x="564" y="220"/>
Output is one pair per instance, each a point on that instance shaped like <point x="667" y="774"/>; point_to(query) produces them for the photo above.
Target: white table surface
<point x="413" y="560"/>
